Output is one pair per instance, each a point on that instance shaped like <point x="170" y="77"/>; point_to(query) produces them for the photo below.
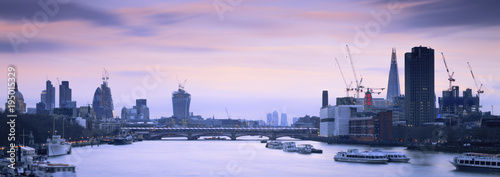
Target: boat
<point x="289" y="147"/>
<point x="215" y="138"/>
<point x="122" y="140"/>
<point x="304" y="148"/>
<point x="318" y="151"/>
<point x="274" y="145"/>
<point x="57" y="146"/>
<point x="353" y="155"/>
<point x="393" y="156"/>
<point x="51" y="170"/>
<point x="477" y="162"/>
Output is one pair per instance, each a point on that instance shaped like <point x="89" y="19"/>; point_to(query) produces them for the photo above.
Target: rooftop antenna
<point x="105" y="76"/>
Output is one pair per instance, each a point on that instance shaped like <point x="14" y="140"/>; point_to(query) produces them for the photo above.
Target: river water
<point x="244" y="157"/>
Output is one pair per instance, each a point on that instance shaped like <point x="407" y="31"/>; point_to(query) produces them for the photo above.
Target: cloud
<point x="15" y="10"/>
<point x="459" y="13"/>
<point x="32" y="46"/>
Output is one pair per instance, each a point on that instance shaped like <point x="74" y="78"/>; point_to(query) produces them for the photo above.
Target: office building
<point x="284" y="119"/>
<point x="180" y="102"/>
<point x="419" y="86"/>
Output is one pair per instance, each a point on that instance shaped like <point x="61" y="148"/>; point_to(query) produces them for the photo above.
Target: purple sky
<point x="252" y="56"/>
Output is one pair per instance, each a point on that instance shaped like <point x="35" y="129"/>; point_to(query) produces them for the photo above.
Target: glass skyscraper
<point x="180" y="103"/>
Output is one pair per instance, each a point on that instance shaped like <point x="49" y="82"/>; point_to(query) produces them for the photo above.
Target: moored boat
<point x="289" y="147"/>
<point x="52" y="170"/>
<point x="57" y="146"/>
<point x="477" y="162"/>
<point x="120" y="140"/>
<point x="353" y="155"/>
<point x="304" y="148"/>
<point x="274" y="145"/>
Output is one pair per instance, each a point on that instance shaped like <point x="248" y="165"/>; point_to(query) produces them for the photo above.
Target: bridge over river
<point x="195" y="133"/>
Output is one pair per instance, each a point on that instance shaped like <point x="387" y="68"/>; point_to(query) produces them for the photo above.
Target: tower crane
<point x="479" y="87"/>
<point x="228" y="116"/>
<point x="450" y="76"/>
<point x="358" y="83"/>
<point x="347" y="87"/>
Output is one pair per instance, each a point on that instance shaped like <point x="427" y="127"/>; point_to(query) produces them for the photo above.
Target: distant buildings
<point x="48" y="97"/>
<point x="65" y="96"/>
<point x="335" y="119"/>
<point x="20" y="106"/>
<point x="419" y="86"/>
<point x="275" y="118"/>
<point x="269" y="118"/>
<point x="371" y="127"/>
<point x="180" y="102"/>
<point x="139" y="112"/>
<point x="307" y="122"/>
<point x="284" y="119"/>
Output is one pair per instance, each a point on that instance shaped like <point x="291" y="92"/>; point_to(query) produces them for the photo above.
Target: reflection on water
<point x="244" y="157"/>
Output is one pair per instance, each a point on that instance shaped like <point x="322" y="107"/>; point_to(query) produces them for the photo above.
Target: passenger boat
<point x="353" y="155"/>
<point x="393" y="156"/>
<point x="53" y="170"/>
<point x="304" y="148"/>
<point x="477" y="162"/>
<point x="274" y="145"/>
<point x="289" y="147"/>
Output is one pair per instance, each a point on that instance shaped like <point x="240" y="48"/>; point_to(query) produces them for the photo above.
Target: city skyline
<point x="281" y="58"/>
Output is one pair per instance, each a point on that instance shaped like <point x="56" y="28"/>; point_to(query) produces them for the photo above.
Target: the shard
<point x="393" y="86"/>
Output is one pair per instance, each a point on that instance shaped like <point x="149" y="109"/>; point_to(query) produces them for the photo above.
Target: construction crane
<point x="181" y="85"/>
<point x="372" y="90"/>
<point x="228" y="116"/>
<point x="479" y="87"/>
<point x="358" y="83"/>
<point x="450" y="76"/>
<point x="347" y="87"/>
<point x="105" y="75"/>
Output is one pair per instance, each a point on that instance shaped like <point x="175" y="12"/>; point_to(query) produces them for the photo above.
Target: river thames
<point x="245" y="157"/>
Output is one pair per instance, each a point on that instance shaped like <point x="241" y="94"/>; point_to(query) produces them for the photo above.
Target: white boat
<point x="289" y="147"/>
<point x="57" y="146"/>
<point x="393" y="156"/>
<point x="304" y="148"/>
<point x="274" y="145"/>
<point x="353" y="155"/>
<point x="55" y="170"/>
<point x="477" y="162"/>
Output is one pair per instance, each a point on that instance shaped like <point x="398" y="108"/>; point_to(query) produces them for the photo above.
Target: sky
<point x="249" y="56"/>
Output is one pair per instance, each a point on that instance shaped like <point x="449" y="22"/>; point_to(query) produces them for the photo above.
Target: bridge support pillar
<point x="233" y="136"/>
<point x="273" y="137"/>
<point x="191" y="137"/>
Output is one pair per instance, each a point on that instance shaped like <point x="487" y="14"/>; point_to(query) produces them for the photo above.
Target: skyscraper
<point x="96" y="104"/>
<point x="275" y="118"/>
<point x="180" y="102"/>
<point x="284" y="119"/>
<point x="324" y="103"/>
<point x="49" y="99"/>
<point x="103" y="101"/>
<point x="64" y="95"/>
<point x="269" y="119"/>
<point x="419" y="86"/>
<point x="393" y="85"/>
